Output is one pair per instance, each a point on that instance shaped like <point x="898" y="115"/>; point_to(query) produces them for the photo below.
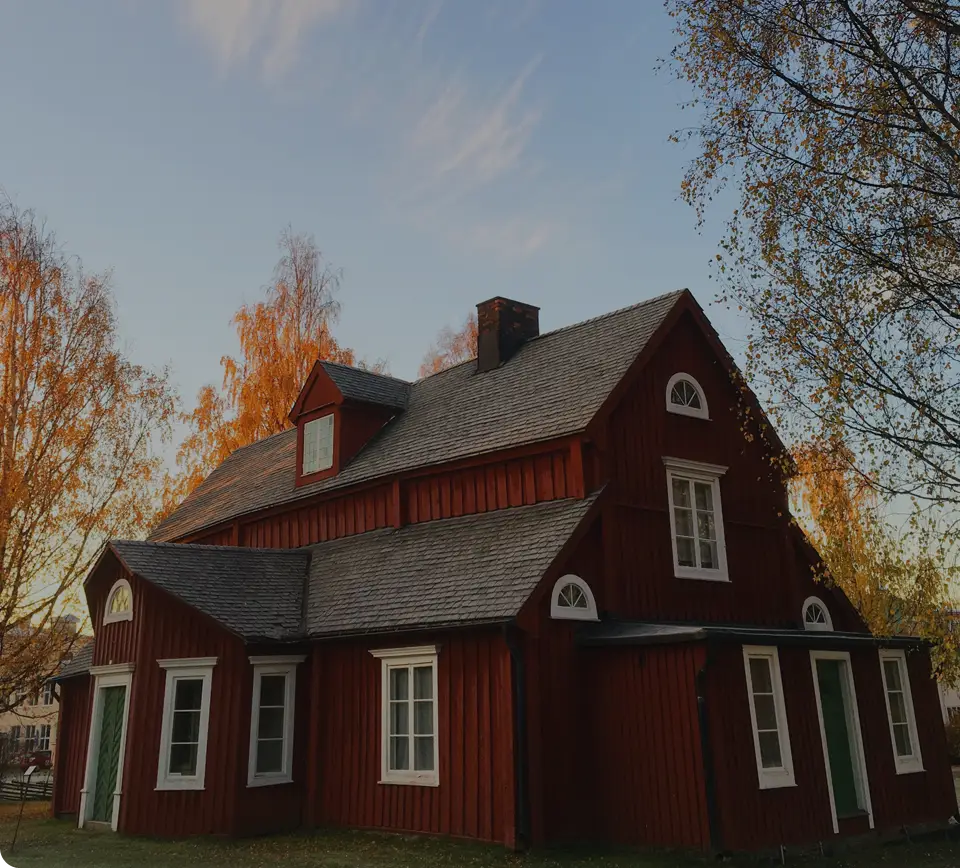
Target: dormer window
<point x="685" y="397"/>
<point x="318" y="445"/>
<point x="119" y="603"/>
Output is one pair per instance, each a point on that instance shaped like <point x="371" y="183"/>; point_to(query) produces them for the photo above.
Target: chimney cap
<point x="502" y="299"/>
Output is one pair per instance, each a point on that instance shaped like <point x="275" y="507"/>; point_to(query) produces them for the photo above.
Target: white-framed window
<point x="186" y="720"/>
<point x="696" y="519"/>
<point x="48" y="693"/>
<point x="816" y="616"/>
<point x="43" y="737"/>
<point x="686" y="397"/>
<point x="318" y="445"/>
<point x="29" y="738"/>
<point x="900" y="714"/>
<point x="409" y="720"/>
<point x="272" y="717"/>
<point x="119" y="603"/>
<point x="15" y="738"/>
<point x="768" y="714"/>
<point x="572" y="599"/>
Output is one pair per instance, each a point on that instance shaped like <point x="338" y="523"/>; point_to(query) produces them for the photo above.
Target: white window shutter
<point x="318" y="445"/>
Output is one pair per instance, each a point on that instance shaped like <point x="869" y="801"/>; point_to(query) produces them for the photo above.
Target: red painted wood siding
<point x="913" y="798"/>
<point x="73" y="728"/>
<point x="224" y="536"/>
<point x="475" y="797"/>
<point x="768" y="583"/>
<point x="751" y="818"/>
<point x="642" y="745"/>
<point x="116" y="642"/>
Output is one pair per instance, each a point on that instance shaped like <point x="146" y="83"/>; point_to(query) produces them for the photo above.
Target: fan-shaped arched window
<point x="573" y="599"/>
<point x="685" y="396"/>
<point x="119" y="603"/>
<point x="816" y="616"/>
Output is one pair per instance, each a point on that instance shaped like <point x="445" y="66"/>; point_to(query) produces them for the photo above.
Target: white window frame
<point x="43" y="735"/>
<point x="401" y="658"/>
<point x="275" y="665"/>
<point x="180" y="669"/>
<point x="913" y="763"/>
<point x="770" y="778"/>
<point x="112" y="617"/>
<point x="682" y="410"/>
<point x="47" y="695"/>
<point x="700" y="472"/>
<point x="567" y="613"/>
<point x="321" y="424"/>
<point x="824" y="628"/>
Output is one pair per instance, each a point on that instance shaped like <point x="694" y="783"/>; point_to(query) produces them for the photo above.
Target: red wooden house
<point x="550" y="595"/>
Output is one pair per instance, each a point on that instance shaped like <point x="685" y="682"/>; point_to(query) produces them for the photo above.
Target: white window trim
<point x="911" y="764"/>
<point x="565" y="612"/>
<point x="702" y="472"/>
<point x="770" y="779"/>
<point x="279" y="665"/>
<point x="112" y="617"/>
<point x="422" y="655"/>
<point x="861" y="778"/>
<point x="187" y="667"/>
<point x="115" y="675"/>
<point x="318" y="467"/>
<point x="702" y="413"/>
<point x="824" y="628"/>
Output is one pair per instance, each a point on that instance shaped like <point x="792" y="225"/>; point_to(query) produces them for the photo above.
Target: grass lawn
<point x="57" y="844"/>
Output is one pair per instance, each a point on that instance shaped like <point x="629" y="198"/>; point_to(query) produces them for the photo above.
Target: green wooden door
<point x="839" y="747"/>
<point x="108" y="755"/>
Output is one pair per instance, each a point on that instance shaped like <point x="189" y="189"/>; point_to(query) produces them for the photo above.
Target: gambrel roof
<point x="552" y="387"/>
<point x="476" y="569"/>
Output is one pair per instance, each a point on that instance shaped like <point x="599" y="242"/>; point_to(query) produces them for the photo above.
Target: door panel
<point x="839" y="746"/>
<point x="108" y="755"/>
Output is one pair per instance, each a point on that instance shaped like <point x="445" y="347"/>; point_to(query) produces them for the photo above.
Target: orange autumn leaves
<point x="78" y="422"/>
<point x="451" y="348"/>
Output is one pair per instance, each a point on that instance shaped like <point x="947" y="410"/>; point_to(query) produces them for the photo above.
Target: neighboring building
<point x="550" y="595"/>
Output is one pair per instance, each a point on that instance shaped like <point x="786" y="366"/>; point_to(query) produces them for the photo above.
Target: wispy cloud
<point x="270" y="34"/>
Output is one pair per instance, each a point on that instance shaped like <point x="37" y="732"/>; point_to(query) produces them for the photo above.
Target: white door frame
<point x="116" y="675"/>
<point x="852" y="710"/>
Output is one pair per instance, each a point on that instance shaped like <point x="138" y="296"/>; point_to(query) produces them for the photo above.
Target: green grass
<point x="57" y="844"/>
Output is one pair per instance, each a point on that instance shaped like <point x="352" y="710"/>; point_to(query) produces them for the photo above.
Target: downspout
<point x="521" y="784"/>
<point x="706" y="751"/>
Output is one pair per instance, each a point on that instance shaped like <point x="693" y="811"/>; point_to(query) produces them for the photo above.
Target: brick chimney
<point x="502" y="327"/>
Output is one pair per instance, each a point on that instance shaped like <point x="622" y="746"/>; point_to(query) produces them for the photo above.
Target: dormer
<point x="339" y="409"/>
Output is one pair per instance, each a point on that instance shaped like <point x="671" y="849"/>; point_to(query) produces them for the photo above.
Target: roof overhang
<point x="613" y="633"/>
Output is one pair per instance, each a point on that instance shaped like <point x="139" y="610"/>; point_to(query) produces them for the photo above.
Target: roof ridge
<point x="566" y="328"/>
<point x="365" y="371"/>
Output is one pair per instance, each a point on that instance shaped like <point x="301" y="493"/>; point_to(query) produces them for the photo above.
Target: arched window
<point x="119" y="603"/>
<point x="686" y="397"/>
<point x="816" y="616"/>
<point x="573" y="599"/>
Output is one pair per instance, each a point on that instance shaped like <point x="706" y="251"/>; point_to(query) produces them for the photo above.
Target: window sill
<point x="910" y="768"/>
<point x="701" y="574"/>
<point x="769" y="782"/>
<point x="688" y="412"/>
<point x="410" y="782"/>
<point x="174" y="786"/>
<point x="269" y="782"/>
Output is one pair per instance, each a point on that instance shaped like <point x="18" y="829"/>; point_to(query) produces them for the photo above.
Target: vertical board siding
<point x="768" y="582"/>
<point x="475" y="797"/>
<point x="221" y="537"/>
<point x="73" y="728"/>
<point x="646" y="780"/>
<point x="751" y="818"/>
<point x="912" y="798"/>
<point x="116" y="642"/>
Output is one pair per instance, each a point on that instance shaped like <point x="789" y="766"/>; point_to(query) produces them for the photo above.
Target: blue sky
<point x="440" y="153"/>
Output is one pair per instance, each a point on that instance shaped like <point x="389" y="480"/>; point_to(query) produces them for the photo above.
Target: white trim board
<point x="851" y="708"/>
<point x="120" y="675"/>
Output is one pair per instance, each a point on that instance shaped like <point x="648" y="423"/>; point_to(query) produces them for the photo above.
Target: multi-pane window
<point x="272" y="720"/>
<point x="43" y="737"/>
<point x="684" y="396"/>
<point x="119" y="603"/>
<point x="771" y="736"/>
<point x="696" y="520"/>
<point x="816" y="616"/>
<point x="410" y="750"/>
<point x="15" y="738"/>
<point x="186" y="715"/>
<point x="29" y="738"/>
<point x="318" y="445"/>
<point x="903" y="727"/>
<point x="48" y="693"/>
<point x="573" y="600"/>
